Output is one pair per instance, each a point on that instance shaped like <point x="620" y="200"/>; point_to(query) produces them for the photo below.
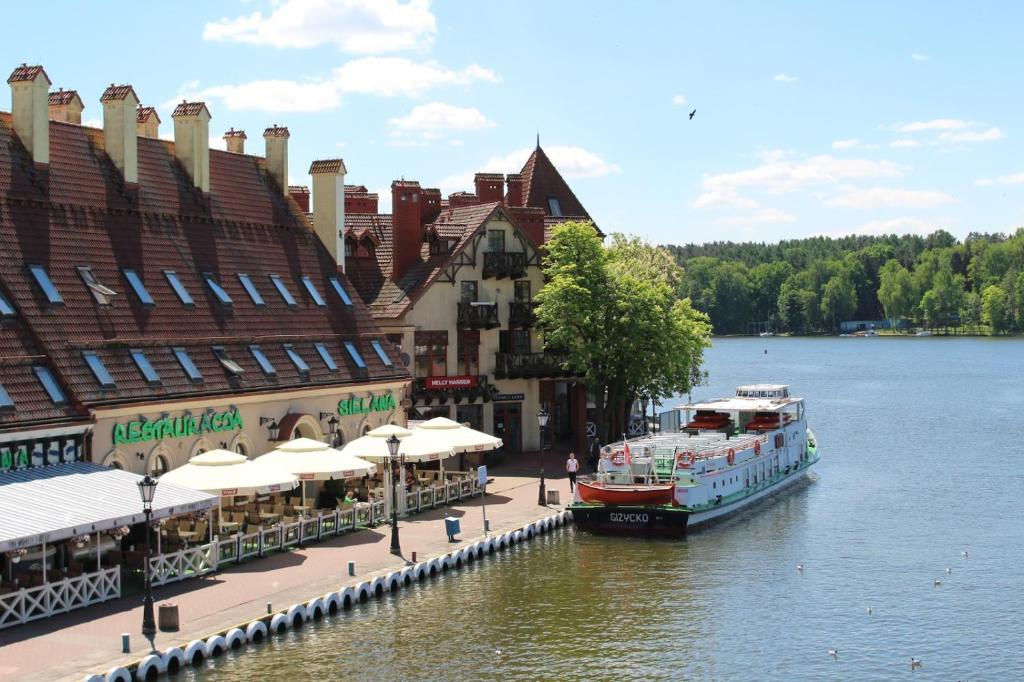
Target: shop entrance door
<point x="508" y="426"/>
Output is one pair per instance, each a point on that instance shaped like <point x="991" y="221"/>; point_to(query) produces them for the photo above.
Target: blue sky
<point x="812" y="118"/>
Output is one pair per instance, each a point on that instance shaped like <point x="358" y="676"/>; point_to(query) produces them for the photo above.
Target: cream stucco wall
<point x="140" y="457"/>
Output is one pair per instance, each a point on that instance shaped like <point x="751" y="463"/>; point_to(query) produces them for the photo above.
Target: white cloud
<point x="440" y="116"/>
<point x="877" y="197"/>
<point x="679" y="100"/>
<point x="904" y="143"/>
<point x="1011" y="179"/>
<point x="934" y="124"/>
<point x="381" y="76"/>
<point x="785" y="78"/>
<point x="846" y="144"/>
<point x="972" y="135"/>
<point x="762" y="217"/>
<point x="781" y="174"/>
<point x="572" y="162"/>
<point x="896" y="226"/>
<point x="360" y="26"/>
<point x="918" y="57"/>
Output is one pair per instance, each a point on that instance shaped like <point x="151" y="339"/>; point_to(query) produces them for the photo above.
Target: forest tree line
<point x="809" y="286"/>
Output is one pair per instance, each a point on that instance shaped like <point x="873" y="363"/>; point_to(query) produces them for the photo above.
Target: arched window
<point x="114" y="464"/>
<point x="241" y="449"/>
<point x="160" y="466"/>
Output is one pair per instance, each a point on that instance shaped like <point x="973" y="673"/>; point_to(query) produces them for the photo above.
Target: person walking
<point x="572" y="466"/>
<point x="595" y="453"/>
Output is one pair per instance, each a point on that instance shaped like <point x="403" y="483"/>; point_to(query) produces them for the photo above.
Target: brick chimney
<point x="147" y="123"/>
<point x="276" y="138"/>
<point x="66" y="105"/>
<point x="30" y="88"/>
<point x="530" y="221"/>
<point x="359" y="200"/>
<point x="300" y="193"/>
<point x="235" y="141"/>
<point x="329" y="205"/>
<point x="514" y="182"/>
<point x="192" y="141"/>
<point x="119" y="135"/>
<point x="460" y="199"/>
<point x="430" y="205"/>
<point x="407" y="228"/>
<point x="490" y="187"/>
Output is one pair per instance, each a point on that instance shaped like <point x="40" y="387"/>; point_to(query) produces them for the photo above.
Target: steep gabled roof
<point x="542" y="181"/>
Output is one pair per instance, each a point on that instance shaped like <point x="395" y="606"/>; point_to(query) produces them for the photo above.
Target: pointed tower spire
<point x="538" y="139"/>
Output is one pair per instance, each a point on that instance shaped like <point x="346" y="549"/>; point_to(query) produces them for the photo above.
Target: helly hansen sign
<point x="176" y="427"/>
<point x="435" y="383"/>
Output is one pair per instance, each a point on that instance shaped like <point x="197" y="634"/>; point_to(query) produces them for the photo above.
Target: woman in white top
<point x="572" y="466"/>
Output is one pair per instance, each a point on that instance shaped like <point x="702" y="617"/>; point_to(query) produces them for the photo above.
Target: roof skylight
<point x="99" y="292"/>
<point x="342" y="294"/>
<point x="282" y="289"/>
<point x="179" y="288"/>
<point x="49" y="383"/>
<point x="296" y="359"/>
<point x="354" y="354"/>
<point x="138" y="287"/>
<point x="325" y="355"/>
<point x="250" y="289"/>
<point x="186" y="364"/>
<point x="262" y="361"/>
<point x="380" y="353"/>
<point x="217" y="289"/>
<point x="99" y="370"/>
<point x="45" y="285"/>
<point x="313" y="293"/>
<point x="142" y="362"/>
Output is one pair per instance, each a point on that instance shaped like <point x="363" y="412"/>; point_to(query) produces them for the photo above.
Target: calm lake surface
<point x="921" y="443"/>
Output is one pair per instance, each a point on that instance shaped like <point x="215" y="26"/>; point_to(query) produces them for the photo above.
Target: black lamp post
<point x="332" y="428"/>
<point x="542" y="421"/>
<point x="273" y="428"/>
<point x="147" y="488"/>
<point x="396" y="470"/>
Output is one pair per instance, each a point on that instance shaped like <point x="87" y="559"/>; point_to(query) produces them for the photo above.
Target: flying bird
<point x="692" y="114"/>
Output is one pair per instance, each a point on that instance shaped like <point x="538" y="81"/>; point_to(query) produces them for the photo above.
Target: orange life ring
<point x="684" y="460"/>
<point x="757" y="447"/>
<point x="731" y="457"/>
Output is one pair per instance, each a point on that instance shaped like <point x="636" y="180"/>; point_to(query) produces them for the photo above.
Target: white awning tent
<point x="53" y="503"/>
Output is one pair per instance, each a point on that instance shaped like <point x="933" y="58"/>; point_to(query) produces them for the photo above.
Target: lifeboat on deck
<point x="617" y="494"/>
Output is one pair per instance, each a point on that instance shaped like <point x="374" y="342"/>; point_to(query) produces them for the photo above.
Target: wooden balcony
<point x="530" y="366"/>
<point x="521" y="315"/>
<point x="478" y="316"/>
<point x="500" y="264"/>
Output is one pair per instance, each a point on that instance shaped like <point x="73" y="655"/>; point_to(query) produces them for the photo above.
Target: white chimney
<point x="329" y="206"/>
<point x="66" y="105"/>
<point x="235" y="141"/>
<point x="192" y="141"/>
<point x="30" y="88"/>
<point x="276" y="138"/>
<point x="119" y="135"/>
<point x="147" y="123"/>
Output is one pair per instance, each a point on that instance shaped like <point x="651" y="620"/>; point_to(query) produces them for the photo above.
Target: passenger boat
<point x="728" y="453"/>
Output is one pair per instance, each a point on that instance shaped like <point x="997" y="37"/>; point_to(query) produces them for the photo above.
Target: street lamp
<point x="396" y="470"/>
<point x="273" y="428"/>
<point x="542" y="421"/>
<point x="147" y="488"/>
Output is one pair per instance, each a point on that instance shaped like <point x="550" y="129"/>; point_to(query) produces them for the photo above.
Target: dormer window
<point x="554" y="207"/>
<point x="232" y="367"/>
<point x="350" y="248"/>
<point x="366" y="247"/>
<point x="313" y="292"/>
<point x="282" y="289"/>
<point x="179" y="288"/>
<point x="138" y="287"/>
<point x="340" y="290"/>
<point x="42" y="279"/>
<point x="99" y="370"/>
<point x="99" y="292"/>
<point x="218" y="291"/>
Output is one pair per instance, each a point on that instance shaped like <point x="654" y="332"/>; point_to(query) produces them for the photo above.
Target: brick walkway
<point x="89" y="640"/>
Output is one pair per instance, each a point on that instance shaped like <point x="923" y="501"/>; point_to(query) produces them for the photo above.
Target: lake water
<point x="921" y="443"/>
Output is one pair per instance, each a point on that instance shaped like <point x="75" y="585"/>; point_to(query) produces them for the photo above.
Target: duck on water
<point x="728" y="453"/>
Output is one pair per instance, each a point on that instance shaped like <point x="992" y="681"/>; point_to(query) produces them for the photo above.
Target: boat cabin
<point x="756" y="408"/>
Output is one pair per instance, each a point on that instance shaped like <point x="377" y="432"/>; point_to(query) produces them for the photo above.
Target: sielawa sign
<point x="377" y="403"/>
<point x="177" y="427"/>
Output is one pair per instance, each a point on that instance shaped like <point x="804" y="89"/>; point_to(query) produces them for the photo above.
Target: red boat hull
<point x="626" y="494"/>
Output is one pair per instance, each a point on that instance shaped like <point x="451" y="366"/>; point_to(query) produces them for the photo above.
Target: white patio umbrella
<point x="461" y="438"/>
<point x="312" y="460"/>
<point x="226" y="474"/>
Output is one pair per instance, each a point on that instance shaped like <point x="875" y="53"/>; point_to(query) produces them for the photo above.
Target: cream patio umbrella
<point x="461" y="438"/>
<point x="312" y="460"/>
<point x="226" y="474"/>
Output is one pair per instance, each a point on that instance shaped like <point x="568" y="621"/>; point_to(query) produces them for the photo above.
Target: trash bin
<point x="167" y="617"/>
<point x="553" y="497"/>
<point x="451" y="527"/>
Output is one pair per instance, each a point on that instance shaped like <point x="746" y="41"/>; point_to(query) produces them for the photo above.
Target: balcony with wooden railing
<point x="530" y="365"/>
<point x="500" y="264"/>
<point x="478" y="315"/>
<point x="521" y="314"/>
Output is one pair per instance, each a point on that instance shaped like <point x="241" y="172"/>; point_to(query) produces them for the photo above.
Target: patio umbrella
<point x="226" y="474"/>
<point x="461" y="438"/>
<point x="312" y="460"/>
<point x="416" y="446"/>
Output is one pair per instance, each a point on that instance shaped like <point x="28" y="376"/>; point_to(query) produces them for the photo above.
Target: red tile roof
<point x="190" y="109"/>
<point x="327" y="166"/>
<point x="118" y="92"/>
<point x="28" y="73"/>
<point x="77" y="212"/>
<point x="541" y="181"/>
<point x="236" y="133"/>
<point x="276" y="131"/>
<point x="142" y="114"/>
<point x="62" y="97"/>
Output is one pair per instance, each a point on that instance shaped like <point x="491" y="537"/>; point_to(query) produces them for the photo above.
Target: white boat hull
<point x="702" y="517"/>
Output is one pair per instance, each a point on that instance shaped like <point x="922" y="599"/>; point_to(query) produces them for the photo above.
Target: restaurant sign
<point x="186" y="425"/>
<point x="376" y="403"/>
<point x="437" y="383"/>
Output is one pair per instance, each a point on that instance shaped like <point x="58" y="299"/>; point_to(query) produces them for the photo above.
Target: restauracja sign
<point x="177" y="427"/>
<point x="377" y="403"/>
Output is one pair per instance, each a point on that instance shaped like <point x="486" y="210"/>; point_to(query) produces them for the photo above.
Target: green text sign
<point x="176" y="427"/>
<point x="377" y="403"/>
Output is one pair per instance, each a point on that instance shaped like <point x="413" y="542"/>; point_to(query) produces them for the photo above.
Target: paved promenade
<point x="68" y="646"/>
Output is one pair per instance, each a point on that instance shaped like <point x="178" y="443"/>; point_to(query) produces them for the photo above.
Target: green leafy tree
<point x="615" y="313"/>
<point x="895" y="291"/>
<point x="995" y="309"/>
<point x="838" y="300"/>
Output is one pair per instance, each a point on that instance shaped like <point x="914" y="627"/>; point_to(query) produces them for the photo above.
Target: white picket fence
<point x="31" y="603"/>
